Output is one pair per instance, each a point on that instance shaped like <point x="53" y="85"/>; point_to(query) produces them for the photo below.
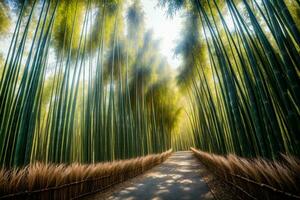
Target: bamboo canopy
<point x="81" y="84"/>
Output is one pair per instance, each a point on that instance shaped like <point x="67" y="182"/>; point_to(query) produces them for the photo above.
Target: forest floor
<point x="179" y="177"/>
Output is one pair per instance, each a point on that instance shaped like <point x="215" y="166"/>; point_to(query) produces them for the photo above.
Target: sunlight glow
<point x="165" y="28"/>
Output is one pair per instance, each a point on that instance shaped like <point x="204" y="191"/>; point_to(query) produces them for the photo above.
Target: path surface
<point x="176" y="178"/>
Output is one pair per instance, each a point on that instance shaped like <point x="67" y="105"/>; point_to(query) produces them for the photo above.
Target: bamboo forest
<point x="184" y="99"/>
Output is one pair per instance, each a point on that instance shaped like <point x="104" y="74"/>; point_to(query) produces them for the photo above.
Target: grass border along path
<point x="50" y="181"/>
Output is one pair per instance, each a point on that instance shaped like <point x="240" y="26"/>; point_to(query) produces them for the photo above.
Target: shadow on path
<point x="177" y="178"/>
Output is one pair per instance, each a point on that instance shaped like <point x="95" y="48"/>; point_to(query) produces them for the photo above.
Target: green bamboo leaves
<point x="75" y="88"/>
<point x="4" y="19"/>
<point x="246" y="99"/>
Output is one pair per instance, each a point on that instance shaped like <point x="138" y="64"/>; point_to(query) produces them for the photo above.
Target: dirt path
<point x="177" y="178"/>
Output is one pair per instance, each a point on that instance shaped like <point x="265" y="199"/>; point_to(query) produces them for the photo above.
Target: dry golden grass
<point x="283" y="175"/>
<point x="71" y="179"/>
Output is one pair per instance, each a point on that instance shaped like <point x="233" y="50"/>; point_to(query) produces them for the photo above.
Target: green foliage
<point x="247" y="102"/>
<point x="116" y="60"/>
<point x="4" y="18"/>
<point x="107" y="95"/>
<point x="67" y="26"/>
<point x="190" y="48"/>
<point x="106" y="15"/>
<point x="88" y="103"/>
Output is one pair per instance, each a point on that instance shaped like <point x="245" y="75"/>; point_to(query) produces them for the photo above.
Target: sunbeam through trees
<point x="86" y="81"/>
